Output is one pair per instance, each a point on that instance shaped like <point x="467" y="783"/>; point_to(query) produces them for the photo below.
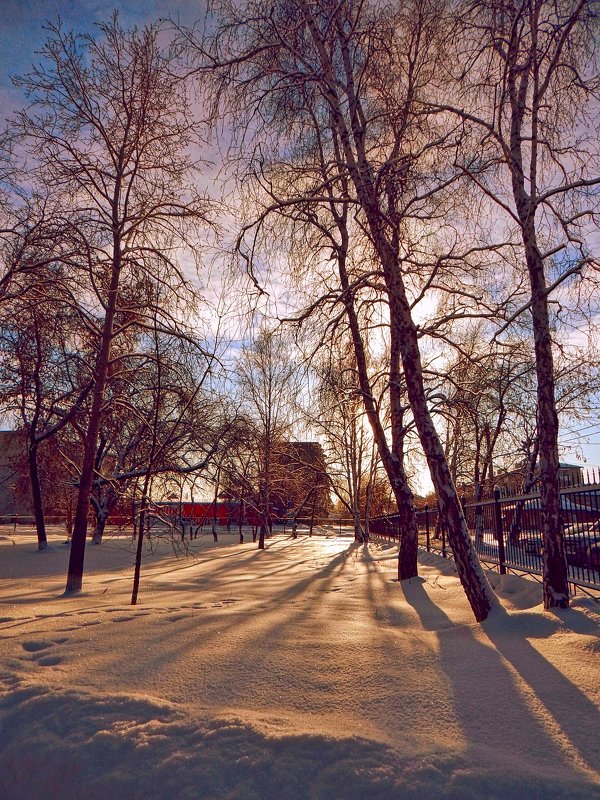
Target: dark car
<point x="582" y="545"/>
<point x="532" y="544"/>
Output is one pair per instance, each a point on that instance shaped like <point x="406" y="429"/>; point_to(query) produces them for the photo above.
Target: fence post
<point x="428" y="539"/>
<point x="499" y="531"/>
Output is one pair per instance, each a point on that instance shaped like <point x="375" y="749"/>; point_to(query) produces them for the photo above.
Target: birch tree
<point x="532" y="69"/>
<point x="347" y="55"/>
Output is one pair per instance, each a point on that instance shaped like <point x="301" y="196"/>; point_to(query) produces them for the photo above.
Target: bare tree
<point x="109" y="130"/>
<point x="335" y="409"/>
<point x="239" y="463"/>
<point x="268" y="382"/>
<point x="40" y="378"/>
<point x="532" y="69"/>
<point x="380" y="144"/>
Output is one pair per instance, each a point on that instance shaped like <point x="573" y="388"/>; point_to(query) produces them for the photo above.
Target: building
<point x="14" y="489"/>
<point x="568" y="475"/>
<point x="301" y="483"/>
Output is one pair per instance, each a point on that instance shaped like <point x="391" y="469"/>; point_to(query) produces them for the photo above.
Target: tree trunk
<point x="138" y="552"/>
<point x="479" y="521"/>
<point x="392" y="461"/>
<point x="523" y="92"/>
<point x="555" y="575"/>
<point x="527" y="486"/>
<point x="358" y="529"/>
<point x="101" y="517"/>
<point x="36" y="496"/>
<point x="476" y="586"/>
<point x="347" y="119"/>
<point x="404" y="333"/>
<point x="75" y="571"/>
<point x="261" y="538"/>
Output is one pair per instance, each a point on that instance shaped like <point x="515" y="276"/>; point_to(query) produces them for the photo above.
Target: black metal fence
<point x="507" y="532"/>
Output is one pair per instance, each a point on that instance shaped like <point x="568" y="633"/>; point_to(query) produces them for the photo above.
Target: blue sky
<point x="21" y="29"/>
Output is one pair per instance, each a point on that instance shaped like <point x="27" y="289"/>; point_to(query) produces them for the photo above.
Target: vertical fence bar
<point x="499" y="531"/>
<point x="580" y="511"/>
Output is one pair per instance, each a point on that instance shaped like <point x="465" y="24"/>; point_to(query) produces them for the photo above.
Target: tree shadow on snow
<point x="498" y="721"/>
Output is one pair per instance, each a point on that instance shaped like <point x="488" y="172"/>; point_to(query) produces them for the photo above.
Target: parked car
<point x="582" y="545"/>
<point x="532" y="544"/>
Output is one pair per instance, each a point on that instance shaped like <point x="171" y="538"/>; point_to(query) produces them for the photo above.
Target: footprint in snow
<point x="49" y="661"/>
<point x="37" y="650"/>
<point x="33" y="646"/>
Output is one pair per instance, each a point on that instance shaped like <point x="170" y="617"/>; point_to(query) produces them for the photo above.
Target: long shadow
<point x="274" y="646"/>
<point x="46" y="568"/>
<point x="490" y="705"/>
<point x="386" y="612"/>
<point x="237" y="635"/>
<point x="577" y="716"/>
<point x="262" y="627"/>
<point x="576" y="621"/>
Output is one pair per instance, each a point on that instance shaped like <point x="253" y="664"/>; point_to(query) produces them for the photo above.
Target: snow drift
<point x="304" y="671"/>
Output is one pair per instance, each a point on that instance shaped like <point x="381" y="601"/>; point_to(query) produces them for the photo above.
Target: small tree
<point x="40" y="378"/>
<point x="268" y="382"/>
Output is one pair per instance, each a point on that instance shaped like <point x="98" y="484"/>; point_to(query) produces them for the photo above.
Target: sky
<point x="22" y="34"/>
<point x="21" y="29"/>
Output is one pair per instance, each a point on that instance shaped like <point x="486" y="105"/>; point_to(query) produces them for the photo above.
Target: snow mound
<point x="145" y="749"/>
<point x="520" y="591"/>
<point x="304" y="671"/>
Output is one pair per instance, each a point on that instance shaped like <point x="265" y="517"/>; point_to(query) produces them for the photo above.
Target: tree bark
<point x="75" y="571"/>
<point x="36" y="496"/>
<point x="555" y="574"/>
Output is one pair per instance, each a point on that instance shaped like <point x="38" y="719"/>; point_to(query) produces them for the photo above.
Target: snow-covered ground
<point x="303" y="671"/>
